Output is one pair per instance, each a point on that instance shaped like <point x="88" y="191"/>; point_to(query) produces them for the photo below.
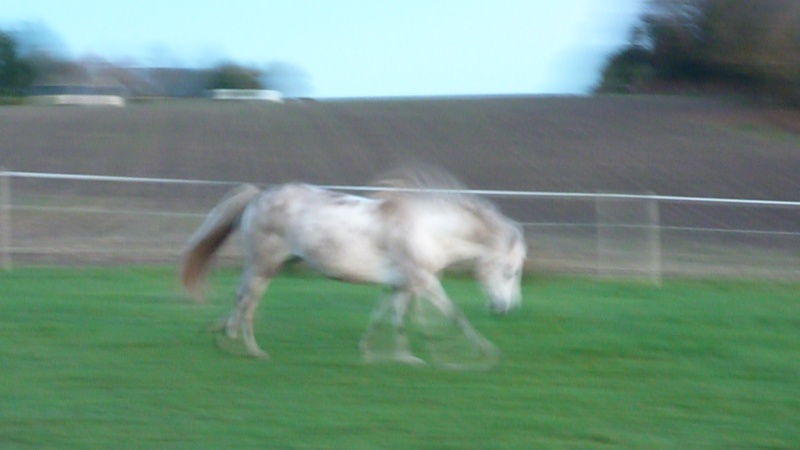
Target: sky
<point x="353" y="48"/>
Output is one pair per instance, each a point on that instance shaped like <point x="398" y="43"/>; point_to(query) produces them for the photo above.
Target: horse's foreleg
<point x="398" y="303"/>
<point x="437" y="296"/>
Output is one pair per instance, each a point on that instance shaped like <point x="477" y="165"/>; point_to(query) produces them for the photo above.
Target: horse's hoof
<point x="402" y="358"/>
<point x="235" y="347"/>
<point x="219" y="325"/>
<point x="257" y="353"/>
<point x="491" y="351"/>
<point x="408" y="358"/>
<point x="229" y="345"/>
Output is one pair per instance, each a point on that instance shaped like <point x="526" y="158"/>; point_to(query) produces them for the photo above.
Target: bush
<point x="232" y="76"/>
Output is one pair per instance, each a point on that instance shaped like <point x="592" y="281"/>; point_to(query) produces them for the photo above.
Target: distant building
<point x="266" y="95"/>
<point x="92" y="82"/>
<point x="89" y="83"/>
<point x="76" y="95"/>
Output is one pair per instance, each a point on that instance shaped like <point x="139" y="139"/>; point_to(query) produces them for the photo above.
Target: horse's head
<point x="500" y="271"/>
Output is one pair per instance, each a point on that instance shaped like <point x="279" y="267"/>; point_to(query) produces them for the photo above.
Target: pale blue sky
<point x="356" y="47"/>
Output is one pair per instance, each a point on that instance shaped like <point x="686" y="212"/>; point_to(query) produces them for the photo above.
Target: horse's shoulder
<point x="391" y="206"/>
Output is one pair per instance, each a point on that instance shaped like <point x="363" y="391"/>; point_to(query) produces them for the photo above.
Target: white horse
<point x="401" y="238"/>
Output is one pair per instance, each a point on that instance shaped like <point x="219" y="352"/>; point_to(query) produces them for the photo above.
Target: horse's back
<point x="370" y="239"/>
<point x="340" y="235"/>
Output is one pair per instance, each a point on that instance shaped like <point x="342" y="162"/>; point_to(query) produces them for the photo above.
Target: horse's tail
<point x="219" y="224"/>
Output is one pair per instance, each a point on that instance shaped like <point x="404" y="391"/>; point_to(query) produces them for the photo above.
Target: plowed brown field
<point x="668" y="145"/>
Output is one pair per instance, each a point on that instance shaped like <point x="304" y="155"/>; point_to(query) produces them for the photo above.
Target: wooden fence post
<point x="628" y="236"/>
<point x="5" y="219"/>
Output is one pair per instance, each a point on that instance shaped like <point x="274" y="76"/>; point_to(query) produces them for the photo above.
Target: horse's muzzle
<point x="500" y="309"/>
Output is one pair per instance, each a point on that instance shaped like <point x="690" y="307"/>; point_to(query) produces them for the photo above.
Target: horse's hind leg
<point x="400" y="304"/>
<point x="241" y="319"/>
<point x="375" y="318"/>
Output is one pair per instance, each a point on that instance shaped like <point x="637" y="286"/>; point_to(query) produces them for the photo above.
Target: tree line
<point x="20" y="71"/>
<point x="16" y="73"/>
<point x="750" y="46"/>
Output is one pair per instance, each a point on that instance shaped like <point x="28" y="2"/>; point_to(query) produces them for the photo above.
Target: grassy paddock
<point x="114" y="358"/>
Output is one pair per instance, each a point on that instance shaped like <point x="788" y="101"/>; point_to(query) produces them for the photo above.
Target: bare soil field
<point x="683" y="146"/>
<point x="667" y="145"/>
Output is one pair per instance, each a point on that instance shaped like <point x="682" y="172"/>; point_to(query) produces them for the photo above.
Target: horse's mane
<point x="428" y="181"/>
<point x="435" y="184"/>
<point x="418" y="176"/>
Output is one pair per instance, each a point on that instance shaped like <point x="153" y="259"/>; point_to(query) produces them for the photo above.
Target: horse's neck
<point x="486" y="224"/>
<point x="470" y="233"/>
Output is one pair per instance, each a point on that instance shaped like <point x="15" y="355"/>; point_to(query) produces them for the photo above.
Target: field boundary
<point x="616" y="234"/>
<point x="357" y="188"/>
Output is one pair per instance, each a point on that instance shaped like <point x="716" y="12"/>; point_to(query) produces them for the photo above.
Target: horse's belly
<point x="359" y="267"/>
<point x="353" y="260"/>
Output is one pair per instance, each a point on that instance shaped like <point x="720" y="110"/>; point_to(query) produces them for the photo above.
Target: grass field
<point x="114" y="358"/>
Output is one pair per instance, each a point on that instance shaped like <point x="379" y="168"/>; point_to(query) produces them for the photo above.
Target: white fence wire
<point x="48" y="218"/>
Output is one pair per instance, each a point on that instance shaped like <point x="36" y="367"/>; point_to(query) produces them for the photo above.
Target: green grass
<point x="115" y="358"/>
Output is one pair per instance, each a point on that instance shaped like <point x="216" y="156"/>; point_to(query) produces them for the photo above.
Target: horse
<point x="401" y="238"/>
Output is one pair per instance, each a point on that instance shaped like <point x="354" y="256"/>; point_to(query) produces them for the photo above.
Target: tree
<point x="627" y="71"/>
<point x="674" y="29"/>
<point x="737" y="44"/>
<point x="233" y="76"/>
<point x="15" y="73"/>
